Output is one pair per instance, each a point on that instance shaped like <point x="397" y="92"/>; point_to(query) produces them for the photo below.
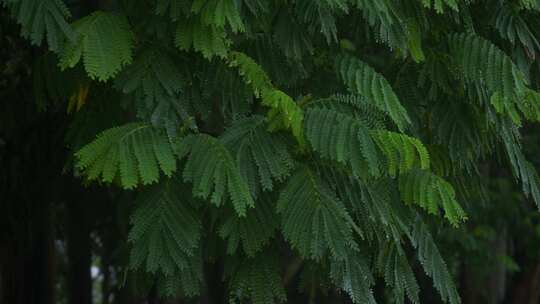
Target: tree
<point x="316" y="143"/>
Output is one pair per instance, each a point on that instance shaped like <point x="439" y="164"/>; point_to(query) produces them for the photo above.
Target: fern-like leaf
<point x="513" y="27"/>
<point x="314" y="219"/>
<point x="433" y="263"/>
<point x="438" y="5"/>
<point x="322" y="14"/>
<point x="219" y="13"/>
<point x="484" y="65"/>
<point x="521" y="167"/>
<point x="361" y="79"/>
<point x="431" y="193"/>
<point x="402" y="152"/>
<point x="256" y="279"/>
<point x="153" y="71"/>
<point x="398" y="275"/>
<point x="209" y="40"/>
<point x="341" y="138"/>
<point x="165" y="236"/>
<point x="135" y="152"/>
<point x="186" y="283"/>
<point x="356" y="106"/>
<point x="155" y="81"/>
<point x="259" y="151"/>
<point x="353" y="275"/>
<point x="480" y="60"/>
<point x="175" y="8"/>
<point x="38" y="18"/>
<point x="285" y="111"/>
<point x="252" y="231"/>
<point x="214" y="172"/>
<point x="104" y="41"/>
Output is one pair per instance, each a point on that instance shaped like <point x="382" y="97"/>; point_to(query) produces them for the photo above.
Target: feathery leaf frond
<point x="286" y="112"/>
<point x="258" y="151"/>
<point x="154" y="72"/>
<point x="155" y="82"/>
<point x="402" y="152"/>
<point x="193" y="34"/>
<point x="340" y="137"/>
<point x="165" y="235"/>
<point x="514" y="28"/>
<point x="257" y="279"/>
<point x="431" y="193"/>
<point x="163" y="227"/>
<point x="397" y="273"/>
<point x="214" y="172"/>
<point x="218" y="13"/>
<point x="353" y="275"/>
<point x="38" y="18"/>
<point x="314" y="219"/>
<point x="484" y="65"/>
<point x="104" y="41"/>
<point x="252" y="231"/>
<point x="438" y="5"/>
<point x="175" y="8"/>
<point x="433" y="263"/>
<point x="136" y="152"/>
<point x="356" y="106"/>
<point x="361" y="79"/>
<point x="521" y="167"/>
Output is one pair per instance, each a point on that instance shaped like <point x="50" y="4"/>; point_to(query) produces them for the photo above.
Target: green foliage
<point x="438" y="5"/>
<point x="514" y="28"/>
<point x="398" y="275"/>
<point x="434" y="265"/>
<point x="356" y="106"/>
<point x="341" y="138"/>
<point x="285" y="112"/>
<point x="361" y="79"/>
<point x="311" y="136"/>
<point x="402" y="152"/>
<point x="166" y="237"/>
<point x="256" y="279"/>
<point x="376" y="212"/>
<point x="322" y="14"/>
<point x="154" y="74"/>
<point x="521" y="167"/>
<point x="431" y="193"/>
<point x="262" y="156"/>
<point x="38" y="18"/>
<point x="208" y="40"/>
<point x="213" y="172"/>
<point x="155" y="82"/>
<point x="486" y="67"/>
<point x="135" y="152"/>
<point x="481" y="61"/>
<point x="219" y="13"/>
<point x="105" y="43"/>
<point x="352" y="275"/>
<point x="307" y="202"/>
<point x="252" y="231"/>
<point x="175" y="8"/>
<point x="397" y="24"/>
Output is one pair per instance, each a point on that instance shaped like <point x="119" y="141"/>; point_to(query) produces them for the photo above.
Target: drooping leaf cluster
<point x="338" y="132"/>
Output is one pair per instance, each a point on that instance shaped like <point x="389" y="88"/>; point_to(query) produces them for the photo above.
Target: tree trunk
<point x="27" y="268"/>
<point x="527" y="290"/>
